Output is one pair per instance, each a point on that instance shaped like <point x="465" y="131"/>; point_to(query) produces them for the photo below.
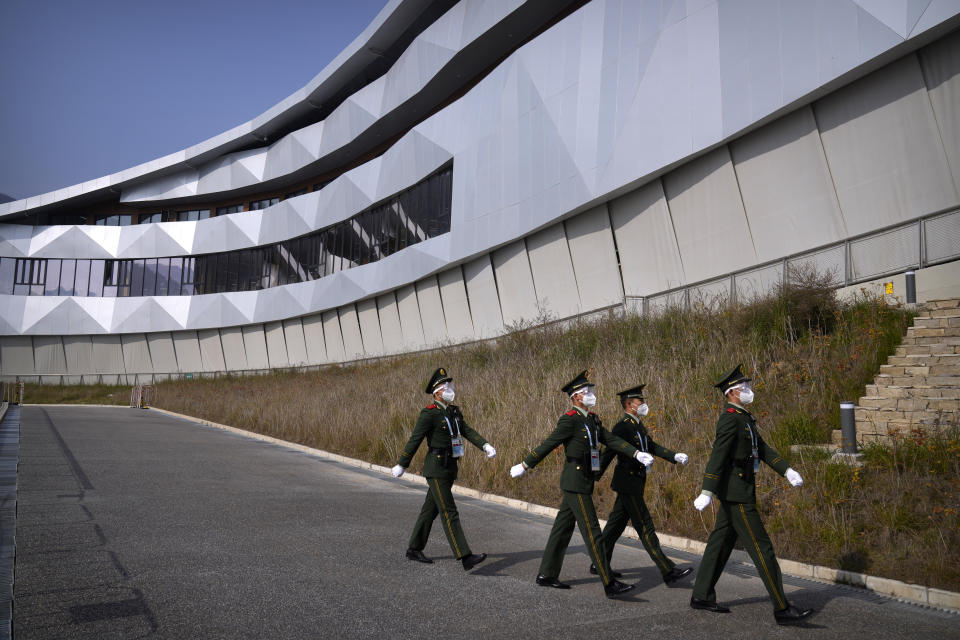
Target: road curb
<point x="906" y="592"/>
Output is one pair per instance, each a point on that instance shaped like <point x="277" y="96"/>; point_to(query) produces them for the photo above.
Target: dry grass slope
<point x="896" y="517"/>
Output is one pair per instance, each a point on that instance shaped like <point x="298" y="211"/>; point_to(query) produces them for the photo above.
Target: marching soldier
<point x="444" y="428"/>
<point x="629" y="479"/>
<point x="581" y="433"/>
<point x="729" y="476"/>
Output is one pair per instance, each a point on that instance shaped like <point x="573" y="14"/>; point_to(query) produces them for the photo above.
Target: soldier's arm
<point x="769" y="455"/>
<point x="420" y="431"/>
<point x="562" y="433"/>
<point x="724" y="443"/>
<point x="606" y="458"/>
<point x="616" y="443"/>
<point x="662" y="452"/>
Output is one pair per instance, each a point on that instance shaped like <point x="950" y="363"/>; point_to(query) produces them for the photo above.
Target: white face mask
<point x="588" y="399"/>
<point x="643" y="410"/>
<point x="448" y="395"/>
<point x="746" y="396"/>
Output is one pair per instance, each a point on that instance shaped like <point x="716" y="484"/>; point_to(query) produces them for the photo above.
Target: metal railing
<point x="11" y="392"/>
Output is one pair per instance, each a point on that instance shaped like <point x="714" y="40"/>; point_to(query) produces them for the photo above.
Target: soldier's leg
<point x="616" y="523"/>
<point x="583" y="510"/>
<point x="643" y="523"/>
<point x="557" y="542"/>
<point x="719" y="547"/>
<point x="753" y="536"/>
<point x="449" y="516"/>
<point x="421" y="530"/>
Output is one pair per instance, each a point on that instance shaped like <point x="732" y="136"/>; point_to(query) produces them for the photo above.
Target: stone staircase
<point x="919" y="387"/>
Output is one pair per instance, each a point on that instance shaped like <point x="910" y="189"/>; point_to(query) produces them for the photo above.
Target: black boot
<point x="791" y="615"/>
<point x="416" y="554"/>
<point x="472" y="560"/>
<point x="544" y="581"/>
<point x="615" y="574"/>
<point x="616" y="588"/>
<point x="707" y="605"/>
<point x="675" y="574"/>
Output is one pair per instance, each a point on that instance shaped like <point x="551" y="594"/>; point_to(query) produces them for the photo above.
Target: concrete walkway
<point x="133" y="524"/>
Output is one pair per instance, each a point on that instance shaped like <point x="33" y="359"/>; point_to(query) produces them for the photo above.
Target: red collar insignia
<point x="572" y="412"/>
<point x="731" y="410"/>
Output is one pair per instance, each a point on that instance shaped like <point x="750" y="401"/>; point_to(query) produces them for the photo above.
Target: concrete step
<point x="909" y="404"/>
<point x="952" y="369"/>
<point x="939" y="313"/>
<point x="886" y="380"/>
<point x="874" y="390"/>
<point x="943" y="303"/>
<point x="903" y="427"/>
<point x="883" y="416"/>
<point x="919" y="331"/>
<point x="925" y="360"/>
<point x="926" y="349"/>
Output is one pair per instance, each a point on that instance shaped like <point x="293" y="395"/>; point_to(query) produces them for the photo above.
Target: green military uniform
<point x="439" y="424"/>
<point x="730" y="476"/>
<point x="629" y="480"/>
<point x="578" y="431"/>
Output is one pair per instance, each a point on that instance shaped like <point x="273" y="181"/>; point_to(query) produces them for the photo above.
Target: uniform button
<point x="578" y="467"/>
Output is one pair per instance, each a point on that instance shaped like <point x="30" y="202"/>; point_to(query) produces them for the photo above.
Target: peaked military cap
<point x="632" y="392"/>
<point x="735" y="377"/>
<point x="577" y="383"/>
<point x="439" y="377"/>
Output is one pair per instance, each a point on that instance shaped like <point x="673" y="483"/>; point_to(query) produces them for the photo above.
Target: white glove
<point x="645" y="458"/>
<point x="397" y="471"/>
<point x="682" y="458"/>
<point x="793" y="477"/>
<point x="517" y="470"/>
<point x="701" y="502"/>
<point x="491" y="452"/>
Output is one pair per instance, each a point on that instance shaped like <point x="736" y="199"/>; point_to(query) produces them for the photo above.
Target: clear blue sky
<point x="92" y="87"/>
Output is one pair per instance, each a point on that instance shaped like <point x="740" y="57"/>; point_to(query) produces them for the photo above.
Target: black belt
<point x="572" y="459"/>
<point x="448" y="450"/>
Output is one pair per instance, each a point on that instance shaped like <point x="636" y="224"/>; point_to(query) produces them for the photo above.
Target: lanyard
<point x="643" y="443"/>
<point x="593" y="445"/>
<point x="449" y="428"/>
<point x="753" y="439"/>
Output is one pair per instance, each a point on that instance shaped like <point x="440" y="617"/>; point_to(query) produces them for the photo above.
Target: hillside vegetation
<point x="897" y="516"/>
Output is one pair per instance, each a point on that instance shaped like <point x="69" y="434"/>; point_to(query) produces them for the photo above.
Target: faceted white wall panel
<point x="484" y="298"/>
<point x="333" y="339"/>
<point x="941" y="70"/>
<point x="48" y="354"/>
<point x="390" y="330"/>
<point x="431" y="311"/>
<point x="211" y="352"/>
<point x="16" y="354"/>
<point x="162" y="355"/>
<point x="314" y="340"/>
<point x="276" y="345"/>
<point x="255" y="346"/>
<point x="234" y="354"/>
<point x="786" y="188"/>
<point x="553" y="278"/>
<point x="370" y="327"/>
<point x="79" y="351"/>
<point x="708" y="217"/>
<point x="136" y="353"/>
<point x="518" y="298"/>
<point x="107" y="354"/>
<point x="649" y="256"/>
<point x="350" y="330"/>
<point x="295" y="343"/>
<point x="884" y="149"/>
<point x="410" y="322"/>
<point x="190" y="356"/>
<point x="456" y="308"/>
<point x="594" y="259"/>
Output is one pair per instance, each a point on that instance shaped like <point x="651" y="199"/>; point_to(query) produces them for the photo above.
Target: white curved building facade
<point x="464" y="167"/>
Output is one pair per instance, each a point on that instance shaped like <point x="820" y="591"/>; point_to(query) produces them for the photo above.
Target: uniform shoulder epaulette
<point x="731" y="410"/>
<point x="431" y="406"/>
<point x="572" y="412"/>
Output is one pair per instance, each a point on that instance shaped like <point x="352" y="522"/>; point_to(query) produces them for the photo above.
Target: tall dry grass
<point x="896" y="517"/>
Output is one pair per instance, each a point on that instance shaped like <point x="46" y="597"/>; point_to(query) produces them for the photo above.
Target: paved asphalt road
<point x="132" y="524"/>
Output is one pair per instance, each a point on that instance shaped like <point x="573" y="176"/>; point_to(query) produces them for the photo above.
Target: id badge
<point x="756" y="461"/>
<point x="594" y="459"/>
<point x="456" y="443"/>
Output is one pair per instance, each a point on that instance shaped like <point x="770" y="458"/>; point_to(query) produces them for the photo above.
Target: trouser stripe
<point x="661" y="561"/>
<point x="446" y="518"/>
<point x="593" y="544"/>
<point x="763" y="563"/>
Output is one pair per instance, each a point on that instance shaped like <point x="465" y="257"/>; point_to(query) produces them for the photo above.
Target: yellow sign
<point x="888" y="288"/>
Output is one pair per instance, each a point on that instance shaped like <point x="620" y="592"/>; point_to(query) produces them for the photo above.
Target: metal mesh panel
<point x="711" y="295"/>
<point x="828" y="261"/>
<point x="677" y="299"/>
<point x="942" y="237"/>
<point x="884" y="253"/>
<point x="759" y="282"/>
